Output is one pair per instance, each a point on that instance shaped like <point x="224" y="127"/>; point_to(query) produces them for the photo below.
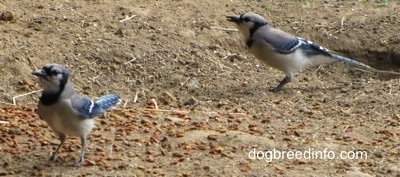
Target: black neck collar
<point x="256" y="26"/>
<point x="49" y="98"/>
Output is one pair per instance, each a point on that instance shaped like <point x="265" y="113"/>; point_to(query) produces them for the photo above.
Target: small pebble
<point x="190" y="101"/>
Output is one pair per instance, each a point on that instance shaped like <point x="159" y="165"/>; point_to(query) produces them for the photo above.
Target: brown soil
<point x="212" y="94"/>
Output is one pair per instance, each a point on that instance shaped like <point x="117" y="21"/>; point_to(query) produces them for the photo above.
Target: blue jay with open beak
<point x="66" y="112"/>
<point x="281" y="50"/>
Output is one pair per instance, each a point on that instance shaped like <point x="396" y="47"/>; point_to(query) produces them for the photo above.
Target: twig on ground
<point x="164" y="110"/>
<point x="4" y="122"/>
<point x="112" y="141"/>
<point x="127" y="18"/>
<point x="184" y="82"/>
<point x="95" y="77"/>
<point x="31" y="63"/>
<point x="218" y="63"/>
<point x="342" y="22"/>
<point x="345" y="128"/>
<point x="130" y="61"/>
<point x="155" y="103"/>
<point x="93" y="62"/>
<point x="15" y="97"/>
<point x="126" y="102"/>
<point x="319" y="68"/>
<point x="227" y="56"/>
<point x="136" y="97"/>
<point x="237" y="114"/>
<point x="162" y="50"/>
<point x="224" y="29"/>
<point x="316" y="134"/>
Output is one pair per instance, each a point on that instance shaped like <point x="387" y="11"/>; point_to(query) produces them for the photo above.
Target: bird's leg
<point x="285" y="80"/>
<point x="80" y="160"/>
<point x="62" y="138"/>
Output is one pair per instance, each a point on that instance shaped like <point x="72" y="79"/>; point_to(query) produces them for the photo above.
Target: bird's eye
<point x="246" y="19"/>
<point x="51" y="71"/>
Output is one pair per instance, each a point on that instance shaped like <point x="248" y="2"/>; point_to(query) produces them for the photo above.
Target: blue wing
<point x="281" y="47"/>
<point x="108" y="101"/>
<point x="311" y="49"/>
<point x="286" y="48"/>
<point x="285" y="43"/>
<point x="279" y="41"/>
<point x="87" y="108"/>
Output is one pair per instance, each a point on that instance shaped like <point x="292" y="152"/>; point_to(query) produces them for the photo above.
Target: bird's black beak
<point x="39" y="73"/>
<point x="233" y="18"/>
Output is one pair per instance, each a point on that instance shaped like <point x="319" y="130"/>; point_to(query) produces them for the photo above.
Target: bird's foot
<point x="284" y="81"/>
<point x="78" y="163"/>
<point x="53" y="158"/>
<point x="276" y="89"/>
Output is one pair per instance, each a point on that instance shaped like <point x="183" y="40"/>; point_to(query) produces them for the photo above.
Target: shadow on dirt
<point x="387" y="60"/>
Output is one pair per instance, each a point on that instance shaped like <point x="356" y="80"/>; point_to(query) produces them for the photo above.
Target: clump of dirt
<point x="6" y="16"/>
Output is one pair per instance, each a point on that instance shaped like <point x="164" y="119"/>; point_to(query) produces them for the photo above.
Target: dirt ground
<point x="213" y="102"/>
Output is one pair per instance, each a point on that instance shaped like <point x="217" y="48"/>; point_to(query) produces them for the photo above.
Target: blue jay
<point x="66" y="112"/>
<point x="281" y="50"/>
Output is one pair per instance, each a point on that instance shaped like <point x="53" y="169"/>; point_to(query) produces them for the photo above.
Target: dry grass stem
<point x="25" y="94"/>
<point x="224" y="29"/>
<point x="4" y="122"/>
<point x="154" y="103"/>
<point x="127" y="18"/>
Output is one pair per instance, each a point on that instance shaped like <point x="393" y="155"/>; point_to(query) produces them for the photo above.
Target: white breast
<point x="61" y="118"/>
